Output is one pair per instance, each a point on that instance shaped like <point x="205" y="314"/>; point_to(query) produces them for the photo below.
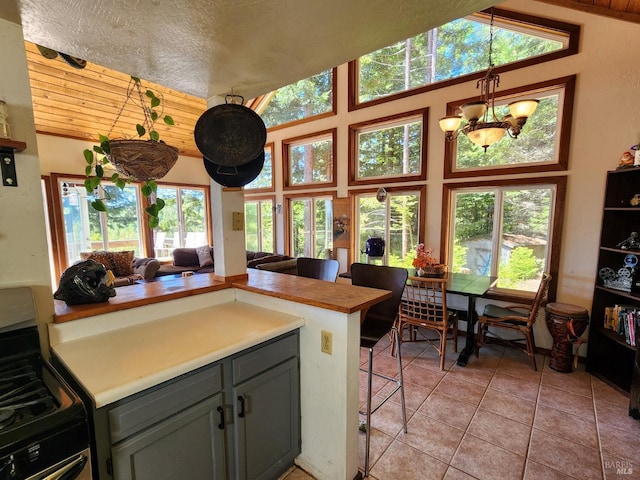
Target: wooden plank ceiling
<point x="83" y="103"/>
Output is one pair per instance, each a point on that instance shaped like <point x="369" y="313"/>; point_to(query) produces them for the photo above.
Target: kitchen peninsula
<point x="190" y="323"/>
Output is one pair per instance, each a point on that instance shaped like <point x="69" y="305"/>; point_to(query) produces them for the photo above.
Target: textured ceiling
<point x="210" y="48"/>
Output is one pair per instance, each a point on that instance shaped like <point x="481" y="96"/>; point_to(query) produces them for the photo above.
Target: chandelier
<point x="482" y="125"/>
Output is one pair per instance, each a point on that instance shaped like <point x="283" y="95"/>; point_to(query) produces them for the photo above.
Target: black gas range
<point x="43" y="423"/>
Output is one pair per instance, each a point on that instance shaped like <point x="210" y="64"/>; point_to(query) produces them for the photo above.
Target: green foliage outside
<point x="522" y="266"/>
<point x="452" y="50"/>
<point x="303" y="99"/>
<point x="311" y="163"/>
<point x="390" y="151"/>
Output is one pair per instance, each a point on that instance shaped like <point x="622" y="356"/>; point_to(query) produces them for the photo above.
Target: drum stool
<point x="566" y="323"/>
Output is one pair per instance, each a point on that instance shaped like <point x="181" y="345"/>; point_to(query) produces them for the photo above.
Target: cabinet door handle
<point x="221" y="424"/>
<point x="241" y="400"/>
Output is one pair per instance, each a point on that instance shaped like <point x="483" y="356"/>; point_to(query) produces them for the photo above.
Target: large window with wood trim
<point x="391" y="149"/>
<point x="184" y="221"/>
<point x="457" y="52"/>
<point x="510" y="230"/>
<point x="395" y="216"/>
<point x="310" y="225"/>
<point x="259" y="224"/>
<point x="543" y="144"/>
<point x="305" y="100"/>
<point x="310" y="160"/>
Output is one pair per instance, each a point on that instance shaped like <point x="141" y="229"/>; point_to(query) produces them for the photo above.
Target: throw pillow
<point x="99" y="256"/>
<point x="122" y="263"/>
<point x="204" y="256"/>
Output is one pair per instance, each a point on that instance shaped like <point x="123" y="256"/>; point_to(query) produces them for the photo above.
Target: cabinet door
<point x="187" y="445"/>
<point x="267" y="422"/>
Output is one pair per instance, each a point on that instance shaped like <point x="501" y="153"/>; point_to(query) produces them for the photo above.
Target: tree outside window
<point x="304" y="99"/>
<point x="259" y="222"/>
<point x="389" y="148"/>
<point x="311" y="226"/>
<point x="503" y="231"/>
<point x="396" y="219"/>
<point x="310" y="160"/>
<point x="451" y="51"/>
<point x="183" y="221"/>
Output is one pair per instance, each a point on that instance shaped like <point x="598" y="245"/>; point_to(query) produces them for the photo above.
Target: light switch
<point x="238" y="221"/>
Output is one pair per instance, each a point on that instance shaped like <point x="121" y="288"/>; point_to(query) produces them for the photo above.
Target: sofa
<point x="126" y="268"/>
<point x="200" y="260"/>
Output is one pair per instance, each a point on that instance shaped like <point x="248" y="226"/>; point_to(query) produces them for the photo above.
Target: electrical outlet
<point x="326" y="345"/>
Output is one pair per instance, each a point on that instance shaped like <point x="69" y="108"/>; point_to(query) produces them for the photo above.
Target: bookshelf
<point x="609" y="356"/>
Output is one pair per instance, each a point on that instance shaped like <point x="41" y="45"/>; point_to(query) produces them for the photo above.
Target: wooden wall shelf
<point x="12" y="144"/>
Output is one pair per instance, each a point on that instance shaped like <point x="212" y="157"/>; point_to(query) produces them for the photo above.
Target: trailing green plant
<point x="99" y="156"/>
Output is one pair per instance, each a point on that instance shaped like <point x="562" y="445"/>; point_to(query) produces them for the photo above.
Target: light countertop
<point x="115" y="363"/>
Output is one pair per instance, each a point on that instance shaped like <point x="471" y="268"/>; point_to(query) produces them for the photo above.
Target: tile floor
<point x="496" y="418"/>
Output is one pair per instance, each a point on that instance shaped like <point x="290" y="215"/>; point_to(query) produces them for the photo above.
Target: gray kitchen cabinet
<point x="186" y="445"/>
<point x="195" y="426"/>
<point x="267" y="410"/>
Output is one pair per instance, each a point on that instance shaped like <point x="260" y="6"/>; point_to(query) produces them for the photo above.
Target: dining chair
<point x="320" y="268"/>
<point x="380" y="320"/>
<point x="518" y="318"/>
<point x="424" y="307"/>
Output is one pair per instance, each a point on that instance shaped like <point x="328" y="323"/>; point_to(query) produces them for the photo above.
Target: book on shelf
<point x="623" y="319"/>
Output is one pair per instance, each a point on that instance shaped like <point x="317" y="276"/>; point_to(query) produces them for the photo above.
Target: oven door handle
<point x="70" y="471"/>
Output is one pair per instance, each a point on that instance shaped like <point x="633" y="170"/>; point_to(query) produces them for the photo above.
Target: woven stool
<point x="566" y="323"/>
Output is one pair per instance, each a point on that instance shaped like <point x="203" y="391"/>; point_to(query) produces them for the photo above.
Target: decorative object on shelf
<point x="635" y="200"/>
<point x="381" y="195"/>
<point x="632" y="242"/>
<point x="134" y="159"/>
<point x="426" y="265"/>
<point x="482" y="126"/>
<point x="636" y="156"/>
<point x="85" y="282"/>
<point x="623" y="278"/>
<point x="626" y="161"/>
<point x="5" y="128"/>
<point x="340" y="224"/>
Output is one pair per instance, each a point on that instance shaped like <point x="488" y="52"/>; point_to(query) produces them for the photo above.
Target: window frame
<point x="262" y="198"/>
<point x="287" y="198"/>
<point x="271" y="147"/>
<point x="299" y="140"/>
<point x="260" y="104"/>
<point x="356" y="128"/>
<point x="564" y="136"/>
<point x="555" y="232"/>
<point x="507" y="16"/>
<point x="207" y="209"/>
<point x="420" y="189"/>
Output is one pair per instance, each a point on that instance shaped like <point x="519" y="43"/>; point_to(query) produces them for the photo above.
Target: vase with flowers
<point x="426" y="265"/>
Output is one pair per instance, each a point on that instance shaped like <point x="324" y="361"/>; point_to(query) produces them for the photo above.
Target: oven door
<point x="77" y="467"/>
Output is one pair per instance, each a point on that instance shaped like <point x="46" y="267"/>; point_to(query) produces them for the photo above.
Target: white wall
<point x="23" y="245"/>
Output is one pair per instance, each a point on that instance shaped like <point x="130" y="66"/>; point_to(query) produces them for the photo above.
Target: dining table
<point x="471" y="286"/>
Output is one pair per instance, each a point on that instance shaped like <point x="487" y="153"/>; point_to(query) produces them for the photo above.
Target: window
<point x="184" y="221"/>
<point x="259" y="221"/>
<point x="506" y="229"/>
<point x="389" y="148"/>
<point x="310" y="225"/>
<point x="542" y="145"/>
<point x="305" y="100"/>
<point x="310" y="160"/>
<point x="457" y="52"/>
<point x="264" y="181"/>
<point x="87" y="229"/>
<point x="396" y="219"/>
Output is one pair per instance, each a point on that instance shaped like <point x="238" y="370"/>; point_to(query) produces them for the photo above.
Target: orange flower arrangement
<point x="423" y="257"/>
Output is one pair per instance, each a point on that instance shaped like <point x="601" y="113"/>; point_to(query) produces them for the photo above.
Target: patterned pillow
<point x="99" y="256"/>
<point x="122" y="263"/>
<point x="204" y="256"/>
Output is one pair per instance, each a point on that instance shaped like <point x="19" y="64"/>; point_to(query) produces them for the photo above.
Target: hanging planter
<point x="143" y="159"/>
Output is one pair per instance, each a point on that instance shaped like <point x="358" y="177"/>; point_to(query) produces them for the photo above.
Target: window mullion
<point x="496" y="243"/>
